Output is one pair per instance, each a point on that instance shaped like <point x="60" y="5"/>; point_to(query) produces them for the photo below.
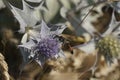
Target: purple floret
<point x="48" y="47"/>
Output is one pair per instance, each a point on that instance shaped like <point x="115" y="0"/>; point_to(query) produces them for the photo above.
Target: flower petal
<point x="45" y="30"/>
<point x="24" y="38"/>
<point x="28" y="45"/>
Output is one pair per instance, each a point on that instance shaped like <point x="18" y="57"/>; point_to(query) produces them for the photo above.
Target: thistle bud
<point x="109" y="46"/>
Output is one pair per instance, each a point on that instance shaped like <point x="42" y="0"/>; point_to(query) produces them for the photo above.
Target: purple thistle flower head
<point x="49" y="47"/>
<point x="44" y="47"/>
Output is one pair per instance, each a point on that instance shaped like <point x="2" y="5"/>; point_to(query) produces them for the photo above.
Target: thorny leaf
<point x="24" y="16"/>
<point x="27" y="22"/>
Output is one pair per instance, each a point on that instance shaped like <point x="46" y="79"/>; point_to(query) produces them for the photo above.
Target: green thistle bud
<point x="109" y="46"/>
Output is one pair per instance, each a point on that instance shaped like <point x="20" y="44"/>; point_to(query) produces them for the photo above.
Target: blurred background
<point x="84" y="18"/>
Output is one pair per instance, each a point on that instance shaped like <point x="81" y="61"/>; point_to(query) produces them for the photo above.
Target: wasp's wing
<point x="87" y="47"/>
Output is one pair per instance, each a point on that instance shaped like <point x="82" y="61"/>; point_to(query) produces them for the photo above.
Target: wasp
<point x="66" y="43"/>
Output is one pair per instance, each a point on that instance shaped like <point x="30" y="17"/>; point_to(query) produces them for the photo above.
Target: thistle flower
<point x="38" y="41"/>
<point x="46" y="47"/>
<point x="109" y="46"/>
<point x="49" y="47"/>
<point x="107" y="43"/>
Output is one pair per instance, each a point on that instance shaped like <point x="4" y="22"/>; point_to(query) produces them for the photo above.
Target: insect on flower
<point x="38" y="42"/>
<point x="46" y="47"/>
